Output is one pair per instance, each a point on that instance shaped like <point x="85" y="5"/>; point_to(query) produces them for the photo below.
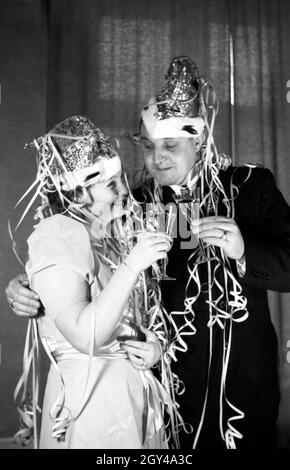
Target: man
<point x="224" y="352"/>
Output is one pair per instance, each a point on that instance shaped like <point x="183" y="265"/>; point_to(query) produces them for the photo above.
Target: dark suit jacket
<point x="263" y="217"/>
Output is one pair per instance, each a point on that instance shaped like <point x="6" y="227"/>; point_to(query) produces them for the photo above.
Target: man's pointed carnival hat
<point x="176" y="110"/>
<point x="186" y="106"/>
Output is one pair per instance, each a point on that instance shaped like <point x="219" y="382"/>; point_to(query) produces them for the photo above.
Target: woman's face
<point x="168" y="160"/>
<point x="107" y="197"/>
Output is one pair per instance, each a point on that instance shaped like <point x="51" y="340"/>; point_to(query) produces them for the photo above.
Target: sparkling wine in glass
<point x="162" y="219"/>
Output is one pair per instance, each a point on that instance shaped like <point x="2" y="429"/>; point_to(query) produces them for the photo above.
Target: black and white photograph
<point x="145" y="227"/>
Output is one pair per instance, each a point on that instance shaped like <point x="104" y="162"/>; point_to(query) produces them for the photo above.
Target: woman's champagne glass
<point x="161" y="218"/>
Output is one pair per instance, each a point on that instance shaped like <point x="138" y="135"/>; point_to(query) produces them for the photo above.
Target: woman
<point x="100" y="392"/>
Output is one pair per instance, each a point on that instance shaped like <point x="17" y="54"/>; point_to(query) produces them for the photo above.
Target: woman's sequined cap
<point x="80" y="143"/>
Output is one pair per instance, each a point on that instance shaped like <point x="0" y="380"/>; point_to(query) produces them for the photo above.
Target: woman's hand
<point x="143" y="354"/>
<point x="23" y="301"/>
<point x="150" y="247"/>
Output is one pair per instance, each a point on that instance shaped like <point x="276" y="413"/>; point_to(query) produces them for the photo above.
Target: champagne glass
<point x="162" y="219"/>
<point x="189" y="206"/>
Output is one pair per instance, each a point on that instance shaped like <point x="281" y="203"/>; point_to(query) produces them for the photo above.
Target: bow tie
<point x="182" y="193"/>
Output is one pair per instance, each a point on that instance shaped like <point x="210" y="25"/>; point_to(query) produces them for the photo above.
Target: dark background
<point x="105" y="58"/>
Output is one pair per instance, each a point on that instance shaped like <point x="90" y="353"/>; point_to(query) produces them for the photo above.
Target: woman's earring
<point x="82" y="198"/>
<point x="197" y="145"/>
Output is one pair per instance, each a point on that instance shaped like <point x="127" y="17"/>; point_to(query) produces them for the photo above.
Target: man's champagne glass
<point x="188" y="205"/>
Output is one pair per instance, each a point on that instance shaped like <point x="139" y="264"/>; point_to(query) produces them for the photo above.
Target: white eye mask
<point x="104" y="168"/>
<point x="191" y="127"/>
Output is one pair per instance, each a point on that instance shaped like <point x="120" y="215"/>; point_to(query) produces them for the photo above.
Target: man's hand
<point x="222" y="232"/>
<point x="143" y="354"/>
<point x="22" y="300"/>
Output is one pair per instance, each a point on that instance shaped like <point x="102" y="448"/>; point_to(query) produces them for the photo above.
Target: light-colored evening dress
<point x="103" y="401"/>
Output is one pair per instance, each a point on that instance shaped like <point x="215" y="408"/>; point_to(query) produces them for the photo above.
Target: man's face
<point x="168" y="160"/>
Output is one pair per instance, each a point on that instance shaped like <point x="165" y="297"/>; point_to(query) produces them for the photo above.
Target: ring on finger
<point x="224" y="235"/>
<point x="12" y="303"/>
